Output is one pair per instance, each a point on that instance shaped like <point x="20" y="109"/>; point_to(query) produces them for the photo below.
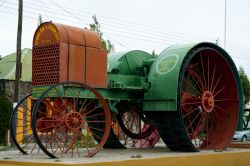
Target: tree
<point x="5" y="112"/>
<point x="154" y="54"/>
<point x="106" y="44"/>
<point x="245" y="85"/>
<point x="40" y="20"/>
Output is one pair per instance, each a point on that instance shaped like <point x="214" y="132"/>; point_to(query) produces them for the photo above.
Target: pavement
<point x="112" y="155"/>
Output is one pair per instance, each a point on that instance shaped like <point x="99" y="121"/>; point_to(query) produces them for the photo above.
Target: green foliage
<point x="106" y="44"/>
<point x="5" y="112"/>
<point x="87" y="142"/>
<point x="245" y="85"/>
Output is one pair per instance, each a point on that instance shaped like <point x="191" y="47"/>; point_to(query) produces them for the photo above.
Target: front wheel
<point x="64" y="117"/>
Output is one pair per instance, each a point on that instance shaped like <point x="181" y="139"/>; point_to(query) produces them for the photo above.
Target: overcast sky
<point x="138" y="24"/>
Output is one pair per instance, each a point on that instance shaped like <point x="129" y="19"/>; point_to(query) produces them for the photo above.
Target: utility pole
<point x="18" y="50"/>
<point x="225" y="26"/>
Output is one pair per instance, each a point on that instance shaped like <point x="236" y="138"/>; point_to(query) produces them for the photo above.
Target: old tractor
<point x="82" y="99"/>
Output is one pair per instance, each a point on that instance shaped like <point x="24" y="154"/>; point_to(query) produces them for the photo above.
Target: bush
<point x="5" y="112"/>
<point x="86" y="142"/>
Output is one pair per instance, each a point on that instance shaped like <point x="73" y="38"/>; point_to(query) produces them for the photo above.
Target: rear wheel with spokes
<point x="209" y="100"/>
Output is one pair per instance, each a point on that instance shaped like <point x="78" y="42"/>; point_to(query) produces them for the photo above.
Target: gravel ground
<point x="105" y="155"/>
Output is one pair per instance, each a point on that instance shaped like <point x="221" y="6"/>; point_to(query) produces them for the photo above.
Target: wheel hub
<point x="208" y="101"/>
<point x="74" y="120"/>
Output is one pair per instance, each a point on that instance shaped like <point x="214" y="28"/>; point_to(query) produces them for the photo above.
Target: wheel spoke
<point x="48" y="104"/>
<point x="192" y="86"/>
<point x="91" y="116"/>
<point x="216" y="83"/>
<point x="190" y="94"/>
<point x="219" y="108"/>
<point x="94" y="128"/>
<point x="98" y="106"/>
<point x="196" y="82"/>
<point x="211" y="85"/>
<point x="26" y="108"/>
<point x="225" y="100"/>
<point x="193" y="120"/>
<point x="202" y="66"/>
<point x="220" y="90"/>
<point x="208" y="76"/>
<point x="192" y="103"/>
<point x="189" y="112"/>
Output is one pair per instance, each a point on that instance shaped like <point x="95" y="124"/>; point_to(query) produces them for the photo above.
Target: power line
<point x="3" y="3"/>
<point x="143" y="34"/>
<point x="81" y="20"/>
<point x="67" y="11"/>
<point x="40" y="9"/>
<point x="132" y="35"/>
<point x="118" y="21"/>
<point x="232" y="52"/>
<point x="130" y="22"/>
<point x="181" y="38"/>
<point x="126" y="36"/>
<point x="123" y="45"/>
<point x="118" y="33"/>
<point x="120" y="24"/>
<point x="43" y="15"/>
<point x="7" y="12"/>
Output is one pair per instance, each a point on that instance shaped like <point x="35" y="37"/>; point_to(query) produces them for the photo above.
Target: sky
<point x="139" y="24"/>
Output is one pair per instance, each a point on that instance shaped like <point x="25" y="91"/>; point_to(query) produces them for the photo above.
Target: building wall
<point x="2" y="87"/>
<point x="7" y="88"/>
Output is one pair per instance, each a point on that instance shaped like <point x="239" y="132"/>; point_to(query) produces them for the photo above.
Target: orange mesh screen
<point x="45" y="62"/>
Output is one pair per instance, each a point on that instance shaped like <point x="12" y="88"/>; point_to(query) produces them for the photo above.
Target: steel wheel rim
<point x="70" y="119"/>
<point x="24" y="144"/>
<point x="205" y="97"/>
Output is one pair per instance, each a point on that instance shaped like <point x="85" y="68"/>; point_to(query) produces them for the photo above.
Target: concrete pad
<point x="158" y="156"/>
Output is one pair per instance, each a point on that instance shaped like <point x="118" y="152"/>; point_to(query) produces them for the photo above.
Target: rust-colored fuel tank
<point x="67" y="53"/>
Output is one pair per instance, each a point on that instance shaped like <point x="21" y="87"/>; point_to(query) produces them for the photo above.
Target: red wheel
<point x="72" y="112"/>
<point x="119" y="139"/>
<point x="209" y="100"/>
<point x="130" y="129"/>
<point x="126" y="141"/>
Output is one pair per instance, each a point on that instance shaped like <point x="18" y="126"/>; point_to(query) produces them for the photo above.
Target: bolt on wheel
<point x="63" y="127"/>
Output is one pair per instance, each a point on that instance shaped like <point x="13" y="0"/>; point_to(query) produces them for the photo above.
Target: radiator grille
<point x="45" y="64"/>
